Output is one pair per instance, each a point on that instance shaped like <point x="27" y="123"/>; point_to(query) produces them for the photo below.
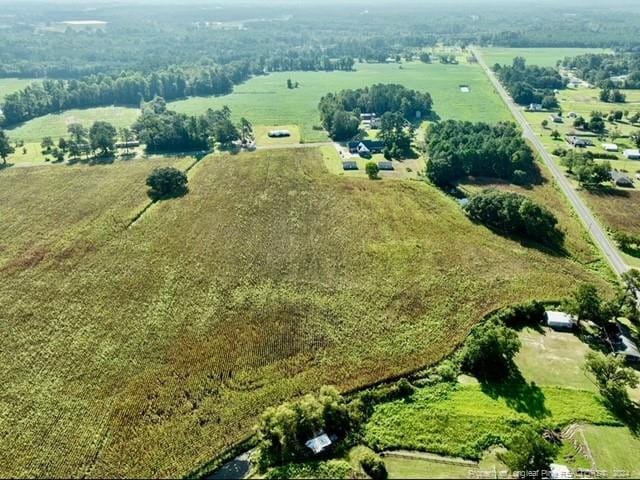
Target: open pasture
<point x="11" y="85"/>
<point x="266" y="100"/>
<point x="146" y="351"/>
<point x="544" y="57"/>
<point x="55" y="125"/>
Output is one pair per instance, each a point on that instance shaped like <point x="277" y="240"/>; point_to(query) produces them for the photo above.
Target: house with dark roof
<point x="624" y="346"/>
<point x="578" y="142"/>
<point x="366" y="147"/>
<point x="620" y="179"/>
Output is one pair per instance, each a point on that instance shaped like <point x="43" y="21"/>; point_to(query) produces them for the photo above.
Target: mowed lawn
<point x="146" y="351"/>
<point x="55" y="125"/>
<point x="544" y="57"/>
<point x="266" y="100"/>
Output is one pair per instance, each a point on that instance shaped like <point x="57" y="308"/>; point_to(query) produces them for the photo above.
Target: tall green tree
<point x="5" y="147"/>
<point x="127" y="136"/>
<point x="102" y="138"/>
<point x="489" y="350"/>
<point x="246" y="131"/>
<point x="611" y="374"/>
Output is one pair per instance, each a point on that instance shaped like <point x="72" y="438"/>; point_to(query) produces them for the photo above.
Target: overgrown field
<point x="545" y="57"/>
<point x="267" y="100"/>
<point x="146" y="351"/>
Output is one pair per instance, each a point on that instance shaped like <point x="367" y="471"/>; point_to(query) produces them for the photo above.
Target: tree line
<point x="340" y="112"/>
<point x="457" y="149"/>
<point x="530" y="83"/>
<point x="160" y="129"/>
<point x="52" y="96"/>
<point x="599" y="68"/>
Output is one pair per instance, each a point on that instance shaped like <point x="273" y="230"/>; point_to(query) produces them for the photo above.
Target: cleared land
<point x="267" y="100"/>
<point x="55" y="125"/>
<point x="10" y="85"/>
<point x="147" y="351"/>
<point x="546" y="57"/>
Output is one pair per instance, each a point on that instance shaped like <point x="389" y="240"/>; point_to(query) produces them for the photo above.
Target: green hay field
<point x="545" y="57"/>
<point x="267" y="100"/>
<point x="146" y="351"/>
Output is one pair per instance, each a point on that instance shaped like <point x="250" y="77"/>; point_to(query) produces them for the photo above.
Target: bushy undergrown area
<point x="434" y="411"/>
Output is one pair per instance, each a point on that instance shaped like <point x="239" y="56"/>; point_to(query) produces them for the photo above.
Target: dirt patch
<point x="27" y="260"/>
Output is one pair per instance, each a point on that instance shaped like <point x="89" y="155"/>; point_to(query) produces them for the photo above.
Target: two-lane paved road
<point x="595" y="229"/>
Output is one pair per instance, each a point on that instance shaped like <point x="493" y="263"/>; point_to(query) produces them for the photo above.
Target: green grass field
<point x="267" y="100"/>
<point x="613" y="450"/>
<point x="554" y="358"/>
<point x="415" y="468"/>
<point x="55" y="125"/>
<point x="545" y="57"/>
<point x="146" y="351"/>
<point x="10" y="85"/>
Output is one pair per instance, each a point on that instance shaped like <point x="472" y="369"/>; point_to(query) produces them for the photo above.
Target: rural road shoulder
<point x="591" y="224"/>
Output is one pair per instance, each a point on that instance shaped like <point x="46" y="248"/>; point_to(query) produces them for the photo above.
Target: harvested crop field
<point x="146" y="351"/>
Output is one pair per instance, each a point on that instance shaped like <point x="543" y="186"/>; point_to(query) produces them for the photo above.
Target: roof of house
<point x="620" y="177"/>
<point x="319" y="443"/>
<point x="610" y="146"/>
<point x="634" y="153"/>
<point x="623" y="345"/>
<point x="385" y="165"/>
<point x="573" y="140"/>
<point x="560" y="319"/>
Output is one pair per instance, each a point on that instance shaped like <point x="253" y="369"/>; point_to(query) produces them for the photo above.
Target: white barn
<point x="560" y="320"/>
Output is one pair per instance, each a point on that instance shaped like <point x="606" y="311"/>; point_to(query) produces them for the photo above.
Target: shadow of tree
<point x="627" y="411"/>
<point x="519" y="395"/>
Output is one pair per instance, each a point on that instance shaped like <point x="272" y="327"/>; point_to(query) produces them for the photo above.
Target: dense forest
<point x="530" y="83"/>
<point x="458" y="149"/>
<point x="150" y="36"/>
<point x="607" y="70"/>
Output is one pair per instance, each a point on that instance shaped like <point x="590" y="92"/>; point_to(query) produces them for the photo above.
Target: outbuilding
<point x="350" y="165"/>
<point x="279" y="133"/>
<point x="632" y="154"/>
<point x="319" y="443"/>
<point x="560" y="321"/>
<point x="610" y="147"/>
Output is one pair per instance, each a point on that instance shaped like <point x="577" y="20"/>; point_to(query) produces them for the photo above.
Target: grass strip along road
<point x="595" y="229"/>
